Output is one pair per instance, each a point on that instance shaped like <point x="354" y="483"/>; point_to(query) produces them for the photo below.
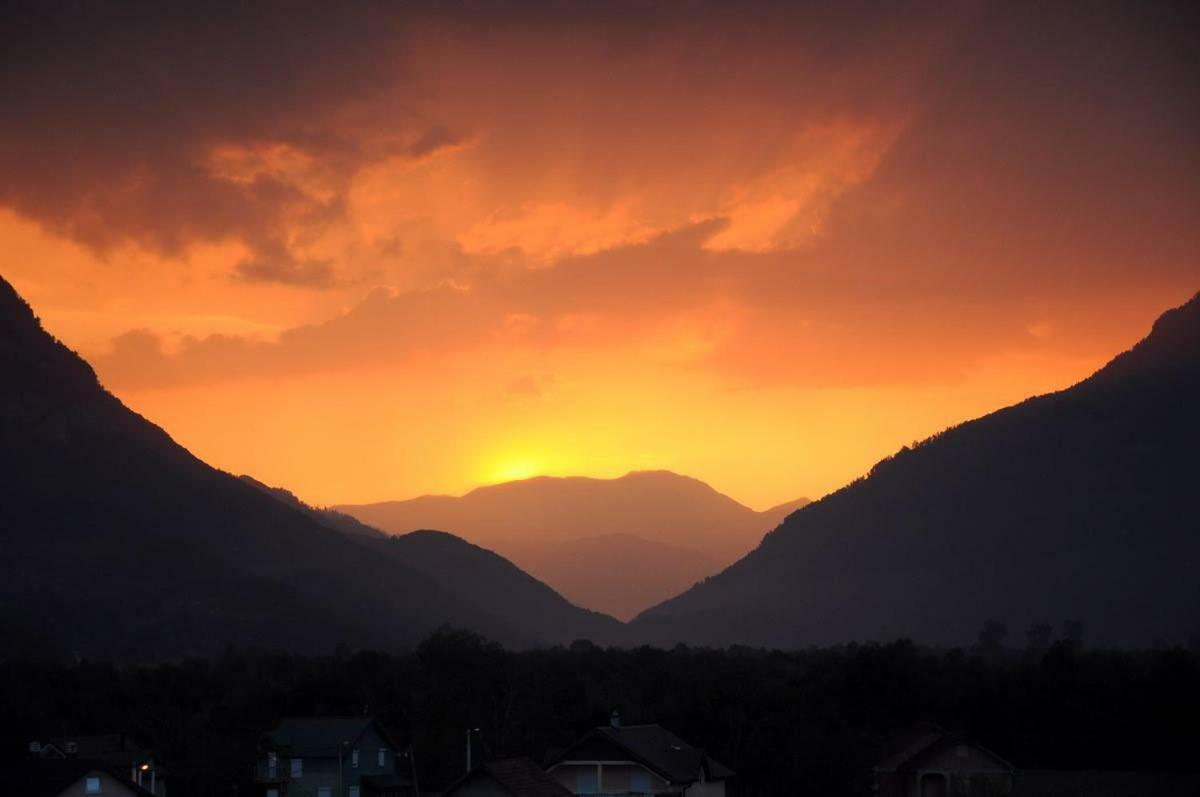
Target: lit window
<point x="354" y="758"/>
<point x="297" y="767"/>
<point x="93" y="785"/>
<point x="325" y="791"/>
<point x="382" y="757"/>
<point x="353" y="791"/>
<point x="272" y="792"/>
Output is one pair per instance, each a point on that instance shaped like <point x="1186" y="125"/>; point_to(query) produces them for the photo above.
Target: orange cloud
<point x="761" y="244"/>
<point x="548" y="232"/>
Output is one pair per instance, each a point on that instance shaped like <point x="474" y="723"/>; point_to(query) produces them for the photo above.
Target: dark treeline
<point x="816" y="717"/>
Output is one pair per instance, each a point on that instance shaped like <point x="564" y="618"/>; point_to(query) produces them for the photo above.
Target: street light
<point x="412" y="759"/>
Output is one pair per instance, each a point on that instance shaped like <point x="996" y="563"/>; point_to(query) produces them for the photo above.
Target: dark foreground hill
<point x="118" y="542"/>
<point x="1082" y="506"/>
<point x="475" y="574"/>
<point x="615" y="545"/>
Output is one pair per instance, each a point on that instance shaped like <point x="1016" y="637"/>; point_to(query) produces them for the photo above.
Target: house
<point x="65" y="777"/>
<point x="638" y="760"/>
<point x="508" y="777"/>
<point x="928" y="761"/>
<point x="330" y="757"/>
<point x="116" y="752"/>
<point x="1105" y="783"/>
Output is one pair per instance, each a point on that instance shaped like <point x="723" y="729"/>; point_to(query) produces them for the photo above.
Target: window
<point x="272" y="792"/>
<point x="297" y="767"/>
<point x="382" y="757"/>
<point x="639" y="782"/>
<point x="325" y="791"/>
<point x="353" y="791"/>
<point x="586" y="781"/>
<point x="354" y="758"/>
<point x="92" y="785"/>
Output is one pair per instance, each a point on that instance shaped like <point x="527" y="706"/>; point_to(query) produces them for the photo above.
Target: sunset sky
<point x="373" y="250"/>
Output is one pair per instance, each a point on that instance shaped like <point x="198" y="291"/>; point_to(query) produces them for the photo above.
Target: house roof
<point x="41" y="777"/>
<point x="908" y="743"/>
<point x="520" y="777"/>
<point x="321" y="737"/>
<point x="114" y="749"/>
<point x="659" y="750"/>
<point x="925" y="742"/>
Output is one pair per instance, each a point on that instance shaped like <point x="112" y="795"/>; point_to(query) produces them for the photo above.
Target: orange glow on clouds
<point x="763" y="248"/>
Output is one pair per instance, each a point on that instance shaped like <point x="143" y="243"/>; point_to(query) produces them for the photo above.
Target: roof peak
<point x="623" y="726"/>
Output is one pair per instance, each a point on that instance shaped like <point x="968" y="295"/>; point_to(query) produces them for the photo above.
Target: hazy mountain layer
<point x="476" y="574"/>
<point x="615" y="545"/>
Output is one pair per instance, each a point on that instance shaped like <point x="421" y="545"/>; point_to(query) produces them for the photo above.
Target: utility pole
<point x="341" y="748"/>
<point x="469" y="732"/>
<point x="412" y="759"/>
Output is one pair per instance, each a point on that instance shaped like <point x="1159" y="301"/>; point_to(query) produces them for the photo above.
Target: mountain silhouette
<point x="475" y="574"/>
<point x="120" y="543"/>
<point x="1076" y="507"/>
<point x="614" y="545"/>
<point x="621" y="573"/>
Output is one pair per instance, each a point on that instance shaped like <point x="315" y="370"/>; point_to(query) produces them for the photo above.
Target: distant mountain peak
<point x="660" y="530"/>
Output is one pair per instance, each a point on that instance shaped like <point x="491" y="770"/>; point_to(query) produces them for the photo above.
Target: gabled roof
<point x="520" y="777"/>
<point x="908" y="743"/>
<point x="321" y="737"/>
<point x="657" y="749"/>
<point x="114" y="749"/>
<point x="925" y="742"/>
<point x="42" y="777"/>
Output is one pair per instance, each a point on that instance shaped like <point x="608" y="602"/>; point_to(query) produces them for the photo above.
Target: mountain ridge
<point x="123" y="544"/>
<point x="1074" y="505"/>
<point x="481" y="576"/>
<point x="669" y="528"/>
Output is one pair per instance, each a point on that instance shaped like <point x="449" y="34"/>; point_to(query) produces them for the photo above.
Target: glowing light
<point x="508" y="470"/>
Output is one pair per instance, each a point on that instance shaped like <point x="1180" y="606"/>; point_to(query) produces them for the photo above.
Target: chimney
<point x="614" y="719"/>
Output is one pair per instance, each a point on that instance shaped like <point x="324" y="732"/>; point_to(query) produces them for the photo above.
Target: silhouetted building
<point x="116" y="753"/>
<point x="1101" y="783"/>
<point x="508" y="777"/>
<point x="928" y="761"/>
<point x="65" y="777"/>
<point x="638" y="760"/>
<point x="330" y="757"/>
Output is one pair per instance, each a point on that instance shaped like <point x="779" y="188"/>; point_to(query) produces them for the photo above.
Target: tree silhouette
<point x="992" y="636"/>
<point x="1038" y="637"/>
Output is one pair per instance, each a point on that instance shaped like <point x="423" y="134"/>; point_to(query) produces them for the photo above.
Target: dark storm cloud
<point x="1035" y="130"/>
<point x="113" y="109"/>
